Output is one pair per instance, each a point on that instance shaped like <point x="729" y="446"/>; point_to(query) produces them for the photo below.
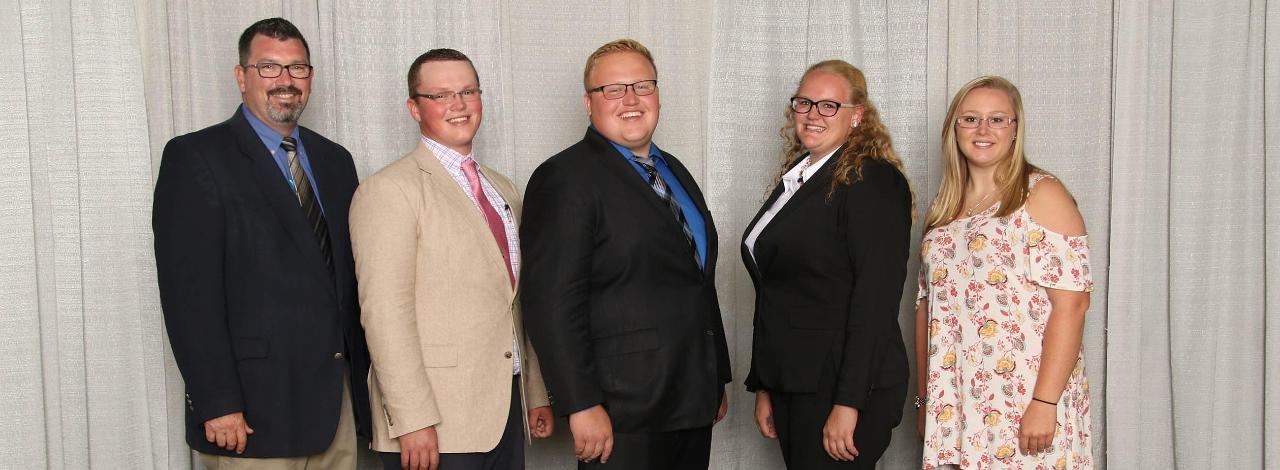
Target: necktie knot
<point x="647" y="164"/>
<point x="289" y="145"/>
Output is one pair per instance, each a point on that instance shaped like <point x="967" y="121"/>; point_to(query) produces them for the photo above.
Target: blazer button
<point x="710" y="333"/>
<point x="337" y="356"/>
<point x="507" y="355"/>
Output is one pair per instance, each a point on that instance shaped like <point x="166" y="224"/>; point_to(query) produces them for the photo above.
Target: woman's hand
<point x="837" y="435"/>
<point x="1039" y="422"/>
<point x="764" y="415"/>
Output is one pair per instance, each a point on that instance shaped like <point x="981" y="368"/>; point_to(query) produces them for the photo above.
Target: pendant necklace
<point x="969" y="212"/>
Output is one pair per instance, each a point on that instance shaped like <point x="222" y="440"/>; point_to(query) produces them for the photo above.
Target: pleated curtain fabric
<point x="1160" y="117"/>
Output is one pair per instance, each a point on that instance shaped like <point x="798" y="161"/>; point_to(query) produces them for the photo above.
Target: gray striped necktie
<point x="659" y="186"/>
<point x="307" y="199"/>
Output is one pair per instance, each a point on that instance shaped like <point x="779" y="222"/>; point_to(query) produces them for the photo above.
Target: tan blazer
<point x="437" y="307"/>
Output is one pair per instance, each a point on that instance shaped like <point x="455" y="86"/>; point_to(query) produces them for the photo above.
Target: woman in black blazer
<point x="827" y="254"/>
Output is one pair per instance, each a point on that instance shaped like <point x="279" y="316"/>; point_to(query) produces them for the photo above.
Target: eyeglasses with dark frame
<point x="273" y="70"/>
<point x="469" y="94"/>
<point x="826" y="108"/>
<point x="615" y="91"/>
<point x="993" y="122"/>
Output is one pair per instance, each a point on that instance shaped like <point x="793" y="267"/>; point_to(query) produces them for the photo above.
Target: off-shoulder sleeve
<point x="1058" y="261"/>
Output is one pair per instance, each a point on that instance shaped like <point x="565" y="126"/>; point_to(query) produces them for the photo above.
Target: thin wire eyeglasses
<point x="470" y="94"/>
<point x="993" y="122"/>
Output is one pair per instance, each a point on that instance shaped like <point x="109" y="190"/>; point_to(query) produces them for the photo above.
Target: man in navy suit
<point x="618" y="289"/>
<point x="256" y="278"/>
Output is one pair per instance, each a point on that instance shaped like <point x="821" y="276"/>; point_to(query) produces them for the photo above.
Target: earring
<point x="855" y="124"/>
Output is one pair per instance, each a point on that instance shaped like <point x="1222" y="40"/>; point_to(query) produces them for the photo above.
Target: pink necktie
<point x="490" y="215"/>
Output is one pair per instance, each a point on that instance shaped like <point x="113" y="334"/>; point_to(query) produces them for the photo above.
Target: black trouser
<point x="686" y="449"/>
<point x="800" y="417"/>
<point x="508" y="455"/>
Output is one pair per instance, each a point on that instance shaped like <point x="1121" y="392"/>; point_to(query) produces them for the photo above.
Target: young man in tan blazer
<point x="437" y="258"/>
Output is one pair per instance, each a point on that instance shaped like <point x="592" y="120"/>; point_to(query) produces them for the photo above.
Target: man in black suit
<point x="618" y="288"/>
<point x="256" y="279"/>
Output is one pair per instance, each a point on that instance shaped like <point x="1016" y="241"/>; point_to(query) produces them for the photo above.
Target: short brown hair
<point x="616" y="45"/>
<point x="436" y="55"/>
<point x="279" y="29"/>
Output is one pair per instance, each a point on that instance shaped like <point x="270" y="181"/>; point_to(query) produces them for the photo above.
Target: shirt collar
<point x="791" y="180"/>
<point x="450" y="158"/>
<point x="270" y="137"/>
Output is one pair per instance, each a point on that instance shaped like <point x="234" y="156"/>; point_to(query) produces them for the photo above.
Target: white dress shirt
<point x="791" y="182"/>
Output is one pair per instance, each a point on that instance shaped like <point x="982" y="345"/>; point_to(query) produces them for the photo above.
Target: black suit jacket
<point x="618" y="311"/>
<point x="828" y="275"/>
<point x="257" y="322"/>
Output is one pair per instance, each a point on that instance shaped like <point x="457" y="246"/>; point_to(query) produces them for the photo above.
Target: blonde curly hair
<point x="869" y="140"/>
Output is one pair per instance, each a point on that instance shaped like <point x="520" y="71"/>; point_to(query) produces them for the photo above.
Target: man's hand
<point x="420" y="450"/>
<point x="837" y="435"/>
<point x="724" y="407"/>
<point x="764" y="415"/>
<point x="230" y="432"/>
<point x="592" y="434"/>
<point x="541" y="423"/>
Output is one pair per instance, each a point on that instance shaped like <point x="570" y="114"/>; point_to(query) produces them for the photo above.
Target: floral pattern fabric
<point x="984" y="278"/>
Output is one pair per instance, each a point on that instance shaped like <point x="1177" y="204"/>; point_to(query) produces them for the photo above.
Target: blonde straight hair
<point x="1013" y="173"/>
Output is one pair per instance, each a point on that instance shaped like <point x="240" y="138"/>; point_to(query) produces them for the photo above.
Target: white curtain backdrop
<point x="1160" y="116"/>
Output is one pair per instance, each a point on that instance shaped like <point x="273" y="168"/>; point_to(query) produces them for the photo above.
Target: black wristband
<point x="1045" y="402"/>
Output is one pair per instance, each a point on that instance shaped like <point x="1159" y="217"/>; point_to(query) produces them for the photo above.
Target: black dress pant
<point x="800" y="417"/>
<point x="508" y="455"/>
<point x="687" y="449"/>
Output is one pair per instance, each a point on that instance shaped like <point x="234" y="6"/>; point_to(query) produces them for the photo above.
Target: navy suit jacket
<point x="257" y="321"/>
<point x="618" y="310"/>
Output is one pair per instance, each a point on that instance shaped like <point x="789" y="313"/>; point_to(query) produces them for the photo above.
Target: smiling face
<point x="452" y="122"/>
<point x="820" y="134"/>
<point x="279" y="101"/>
<point x="983" y="146"/>
<point x="630" y="120"/>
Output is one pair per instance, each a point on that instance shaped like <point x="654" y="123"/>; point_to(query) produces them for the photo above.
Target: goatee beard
<point x="285" y="113"/>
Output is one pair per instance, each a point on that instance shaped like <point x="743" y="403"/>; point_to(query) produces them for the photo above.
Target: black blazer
<point x="618" y="311"/>
<point x="257" y="322"/>
<point x="829" y="275"/>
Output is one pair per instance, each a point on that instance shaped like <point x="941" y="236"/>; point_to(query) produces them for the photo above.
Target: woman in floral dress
<point x="1004" y="286"/>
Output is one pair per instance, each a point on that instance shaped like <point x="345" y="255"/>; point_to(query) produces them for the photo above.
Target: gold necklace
<point x="804" y="165"/>
<point x="969" y="212"/>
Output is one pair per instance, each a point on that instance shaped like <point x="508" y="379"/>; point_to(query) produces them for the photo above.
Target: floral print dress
<point x="985" y="278"/>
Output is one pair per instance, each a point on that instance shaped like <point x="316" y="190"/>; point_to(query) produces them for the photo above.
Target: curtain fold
<point x="1139" y="384"/>
<point x="1160" y="117"/>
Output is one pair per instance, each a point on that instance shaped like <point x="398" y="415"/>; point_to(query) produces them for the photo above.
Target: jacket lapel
<point x="816" y="186"/>
<point x="695" y="193"/>
<point x="618" y="165"/>
<point x="466" y="216"/>
<point x="283" y="201"/>
<point x="752" y="267"/>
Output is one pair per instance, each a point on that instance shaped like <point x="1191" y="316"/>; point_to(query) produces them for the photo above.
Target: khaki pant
<point x="341" y="454"/>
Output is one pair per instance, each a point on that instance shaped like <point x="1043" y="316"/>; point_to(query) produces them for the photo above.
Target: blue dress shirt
<point x="271" y="138"/>
<point x="691" y="214"/>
